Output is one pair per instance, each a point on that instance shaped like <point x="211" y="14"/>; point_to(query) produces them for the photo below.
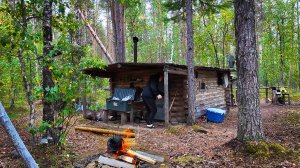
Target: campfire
<point x="119" y="154"/>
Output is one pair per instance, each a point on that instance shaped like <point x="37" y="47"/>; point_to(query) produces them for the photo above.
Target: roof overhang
<point x="108" y="71"/>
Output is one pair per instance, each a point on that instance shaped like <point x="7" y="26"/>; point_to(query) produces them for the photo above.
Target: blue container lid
<point x="216" y="110"/>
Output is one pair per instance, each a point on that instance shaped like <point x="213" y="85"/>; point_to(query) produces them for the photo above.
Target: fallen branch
<point x="106" y="131"/>
<point x="107" y="55"/>
<point x="17" y="141"/>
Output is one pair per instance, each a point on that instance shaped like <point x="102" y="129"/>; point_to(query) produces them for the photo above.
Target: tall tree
<point x="118" y="22"/>
<point x="298" y="41"/>
<point x="48" y="84"/>
<point x="249" y="115"/>
<point x="26" y="82"/>
<point x="190" y="62"/>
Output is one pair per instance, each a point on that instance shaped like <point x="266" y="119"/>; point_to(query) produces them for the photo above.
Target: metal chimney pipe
<point x="135" y="41"/>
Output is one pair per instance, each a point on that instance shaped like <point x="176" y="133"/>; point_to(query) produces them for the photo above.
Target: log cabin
<point x="213" y="87"/>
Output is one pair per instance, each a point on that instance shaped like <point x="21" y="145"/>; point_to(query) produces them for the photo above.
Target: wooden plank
<point x="127" y="159"/>
<point x="132" y="116"/>
<point x="177" y="72"/>
<point x="114" y="162"/>
<point x="166" y="96"/>
<point x="123" y="118"/>
<point x="155" y="157"/>
<point x="140" y="156"/>
<point x="105" y="116"/>
<point x="15" y="138"/>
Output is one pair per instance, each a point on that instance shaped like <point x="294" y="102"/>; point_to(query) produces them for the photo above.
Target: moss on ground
<point x="188" y="160"/>
<point x="200" y="129"/>
<point x="258" y="149"/>
<point x="268" y="150"/>
<point x="173" y="130"/>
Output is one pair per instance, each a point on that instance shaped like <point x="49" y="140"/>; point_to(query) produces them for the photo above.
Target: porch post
<point x="166" y="95"/>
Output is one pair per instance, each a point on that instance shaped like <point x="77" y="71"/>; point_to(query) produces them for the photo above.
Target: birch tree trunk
<point x="12" y="91"/>
<point x="27" y="89"/>
<point x="190" y="62"/>
<point x="249" y="115"/>
<point x="26" y="84"/>
<point x="15" y="138"/>
<point x="118" y="22"/>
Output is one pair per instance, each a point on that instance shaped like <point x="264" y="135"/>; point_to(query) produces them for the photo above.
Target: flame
<point x="128" y="142"/>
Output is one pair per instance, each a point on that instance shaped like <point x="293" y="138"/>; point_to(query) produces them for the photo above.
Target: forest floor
<point x="181" y="145"/>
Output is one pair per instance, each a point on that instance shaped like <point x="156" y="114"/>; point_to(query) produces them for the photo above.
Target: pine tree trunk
<point x="281" y="50"/>
<point x="249" y="116"/>
<point x="48" y="111"/>
<point x="298" y="41"/>
<point x="109" y="36"/>
<point x="190" y="63"/>
<point x="118" y="22"/>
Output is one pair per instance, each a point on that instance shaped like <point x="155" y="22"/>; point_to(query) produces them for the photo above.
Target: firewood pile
<point x="119" y="154"/>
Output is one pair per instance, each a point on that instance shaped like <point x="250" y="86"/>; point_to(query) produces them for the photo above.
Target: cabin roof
<point x="109" y="70"/>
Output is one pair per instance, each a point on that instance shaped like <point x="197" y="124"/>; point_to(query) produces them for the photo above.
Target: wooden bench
<point x="123" y="116"/>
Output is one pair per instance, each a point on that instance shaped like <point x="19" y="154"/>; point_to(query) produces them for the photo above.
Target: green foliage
<point x="40" y="129"/>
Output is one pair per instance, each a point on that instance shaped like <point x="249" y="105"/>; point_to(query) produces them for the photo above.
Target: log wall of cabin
<point x="214" y="95"/>
<point x="178" y="94"/>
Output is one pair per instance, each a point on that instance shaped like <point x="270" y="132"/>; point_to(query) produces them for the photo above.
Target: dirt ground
<point x="181" y="145"/>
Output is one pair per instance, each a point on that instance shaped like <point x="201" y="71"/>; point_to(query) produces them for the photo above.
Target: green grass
<point x="293" y="118"/>
<point x="17" y="112"/>
<point x="173" y="130"/>
<point x="295" y="96"/>
<point x="188" y="160"/>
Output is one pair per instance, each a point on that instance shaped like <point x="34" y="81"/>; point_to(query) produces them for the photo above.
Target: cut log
<point x="127" y="159"/>
<point x="155" y="157"/>
<point x="114" y="162"/>
<point x="15" y="138"/>
<point x="106" y="131"/>
<point x="140" y="156"/>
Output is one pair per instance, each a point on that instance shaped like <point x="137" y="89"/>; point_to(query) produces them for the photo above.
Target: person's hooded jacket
<point x="154" y="87"/>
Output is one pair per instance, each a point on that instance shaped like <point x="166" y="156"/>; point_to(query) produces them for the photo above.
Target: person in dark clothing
<point x="152" y="91"/>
